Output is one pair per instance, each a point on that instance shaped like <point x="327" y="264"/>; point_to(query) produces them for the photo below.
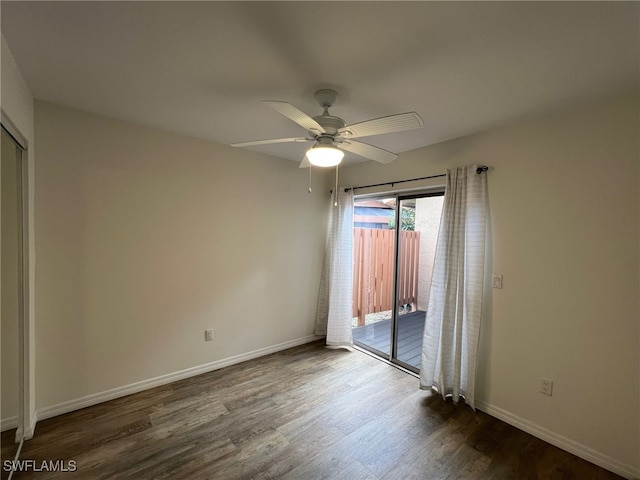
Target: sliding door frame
<point x="398" y="196"/>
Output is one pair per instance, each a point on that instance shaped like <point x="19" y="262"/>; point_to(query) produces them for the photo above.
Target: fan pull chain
<point x="335" y="203"/>
<point x="309" y="178"/>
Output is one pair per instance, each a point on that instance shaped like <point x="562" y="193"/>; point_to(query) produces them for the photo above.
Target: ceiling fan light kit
<point x="324" y="154"/>
<point x="332" y="135"/>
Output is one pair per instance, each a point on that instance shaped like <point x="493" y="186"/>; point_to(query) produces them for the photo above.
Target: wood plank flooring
<point x="410" y="329"/>
<point x="8" y="449"/>
<point x="305" y="413"/>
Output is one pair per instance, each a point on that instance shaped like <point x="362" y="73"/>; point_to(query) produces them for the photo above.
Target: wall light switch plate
<point x="208" y="334"/>
<point x="497" y="281"/>
<point x="546" y="386"/>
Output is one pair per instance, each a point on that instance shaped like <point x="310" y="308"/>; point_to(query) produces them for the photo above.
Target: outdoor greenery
<point x="408" y="217"/>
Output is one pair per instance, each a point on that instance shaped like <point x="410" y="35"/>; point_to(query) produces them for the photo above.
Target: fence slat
<point x="368" y="273"/>
<point x="374" y="270"/>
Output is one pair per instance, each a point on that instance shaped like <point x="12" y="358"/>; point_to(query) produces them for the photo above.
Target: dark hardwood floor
<point x="8" y="449"/>
<point x="304" y="413"/>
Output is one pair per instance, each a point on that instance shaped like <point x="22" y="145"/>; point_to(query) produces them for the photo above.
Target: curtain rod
<point x="480" y="169"/>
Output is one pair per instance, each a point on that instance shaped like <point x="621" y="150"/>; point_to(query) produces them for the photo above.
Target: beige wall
<point x="565" y="203"/>
<point x="146" y="238"/>
<point x="16" y="97"/>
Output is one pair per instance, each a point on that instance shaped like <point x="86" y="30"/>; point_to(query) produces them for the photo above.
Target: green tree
<point x="408" y="219"/>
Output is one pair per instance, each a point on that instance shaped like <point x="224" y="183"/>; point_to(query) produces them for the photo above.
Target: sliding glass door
<point x="394" y="247"/>
<point x="374" y="271"/>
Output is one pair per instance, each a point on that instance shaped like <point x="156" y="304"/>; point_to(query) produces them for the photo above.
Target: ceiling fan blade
<point x="368" y="151"/>
<point x="298" y="116"/>
<point x="377" y="126"/>
<point x="273" y="140"/>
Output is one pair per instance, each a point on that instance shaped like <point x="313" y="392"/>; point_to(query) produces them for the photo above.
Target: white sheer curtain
<point x="335" y="297"/>
<point x="452" y="326"/>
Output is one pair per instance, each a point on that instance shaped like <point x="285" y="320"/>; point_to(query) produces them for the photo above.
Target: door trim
<point x="26" y="414"/>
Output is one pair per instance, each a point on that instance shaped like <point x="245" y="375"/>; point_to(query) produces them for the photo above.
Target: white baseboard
<point x="94" y="399"/>
<point x="31" y="429"/>
<point x="571" y="446"/>
<point x="8" y="423"/>
<point x="21" y="432"/>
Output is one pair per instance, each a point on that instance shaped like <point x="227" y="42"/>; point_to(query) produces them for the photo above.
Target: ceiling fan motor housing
<point x="326" y="98"/>
<point x="330" y="123"/>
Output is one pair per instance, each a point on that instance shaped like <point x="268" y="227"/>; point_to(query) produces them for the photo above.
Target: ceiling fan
<point x="331" y="134"/>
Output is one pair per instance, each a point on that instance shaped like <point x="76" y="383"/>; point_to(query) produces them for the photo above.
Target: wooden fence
<point x="374" y="270"/>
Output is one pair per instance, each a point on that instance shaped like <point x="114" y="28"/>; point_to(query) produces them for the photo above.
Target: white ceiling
<point x="201" y="68"/>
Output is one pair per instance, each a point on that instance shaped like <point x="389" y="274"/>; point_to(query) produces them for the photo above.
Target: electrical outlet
<point x="497" y="280"/>
<point x="208" y="334"/>
<point x="546" y="386"/>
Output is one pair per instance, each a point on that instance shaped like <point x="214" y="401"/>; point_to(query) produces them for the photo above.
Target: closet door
<point x="11" y="281"/>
